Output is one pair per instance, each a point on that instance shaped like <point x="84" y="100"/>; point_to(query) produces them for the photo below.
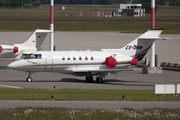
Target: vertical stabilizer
<point x="35" y="40"/>
<point x="139" y="46"/>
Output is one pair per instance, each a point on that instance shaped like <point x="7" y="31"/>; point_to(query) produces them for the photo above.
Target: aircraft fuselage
<point x="70" y="62"/>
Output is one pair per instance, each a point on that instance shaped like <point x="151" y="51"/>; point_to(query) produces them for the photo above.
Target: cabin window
<point x="86" y="58"/>
<point x="63" y="58"/>
<point x="80" y="58"/>
<point x="92" y="58"/>
<point x="68" y="58"/>
<point x="74" y="58"/>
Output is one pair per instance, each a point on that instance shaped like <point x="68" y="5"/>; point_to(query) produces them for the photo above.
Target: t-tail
<point x="36" y="39"/>
<point x="140" y="46"/>
<point x="32" y="44"/>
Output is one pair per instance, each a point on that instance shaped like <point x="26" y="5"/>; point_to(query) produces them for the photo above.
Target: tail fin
<point x="140" y="46"/>
<point x="36" y="39"/>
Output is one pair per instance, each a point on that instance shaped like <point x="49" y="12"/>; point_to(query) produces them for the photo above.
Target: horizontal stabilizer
<point x="42" y="31"/>
<point x="154" y="38"/>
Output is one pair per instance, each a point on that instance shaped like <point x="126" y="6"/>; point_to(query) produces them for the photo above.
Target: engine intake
<point x="134" y="61"/>
<point x="110" y="62"/>
<point x="1" y="49"/>
<point x="15" y="49"/>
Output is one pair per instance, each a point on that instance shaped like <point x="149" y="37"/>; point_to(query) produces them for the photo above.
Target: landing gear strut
<point x="89" y="78"/>
<point x="29" y="79"/>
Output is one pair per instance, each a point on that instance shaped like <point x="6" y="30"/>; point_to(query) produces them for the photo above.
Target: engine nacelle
<point x="134" y="61"/>
<point x="15" y="49"/>
<point x="110" y="62"/>
<point x="8" y="48"/>
<point x="1" y="49"/>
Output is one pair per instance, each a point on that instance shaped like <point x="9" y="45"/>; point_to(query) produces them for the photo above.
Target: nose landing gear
<point x="29" y="79"/>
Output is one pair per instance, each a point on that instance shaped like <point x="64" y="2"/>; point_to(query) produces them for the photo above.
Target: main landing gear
<point x="98" y="79"/>
<point x="89" y="78"/>
<point x="29" y="79"/>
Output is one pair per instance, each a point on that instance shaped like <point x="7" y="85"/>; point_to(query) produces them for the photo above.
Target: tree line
<point x="19" y="3"/>
<point x="29" y="3"/>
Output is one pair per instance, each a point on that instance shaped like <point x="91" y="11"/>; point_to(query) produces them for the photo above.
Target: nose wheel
<point x="29" y="79"/>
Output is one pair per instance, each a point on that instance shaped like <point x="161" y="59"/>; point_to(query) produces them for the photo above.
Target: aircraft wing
<point x="103" y="70"/>
<point x="20" y="55"/>
<point x="100" y="71"/>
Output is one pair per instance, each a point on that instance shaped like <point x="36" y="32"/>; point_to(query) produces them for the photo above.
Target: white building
<point x="129" y="10"/>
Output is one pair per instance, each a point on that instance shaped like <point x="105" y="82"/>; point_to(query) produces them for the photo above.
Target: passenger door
<point x="49" y="63"/>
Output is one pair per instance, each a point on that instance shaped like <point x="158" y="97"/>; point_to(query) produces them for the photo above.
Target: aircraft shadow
<point x="107" y="82"/>
<point x="131" y="84"/>
<point x="74" y="80"/>
<point x="4" y="67"/>
<point x="84" y="81"/>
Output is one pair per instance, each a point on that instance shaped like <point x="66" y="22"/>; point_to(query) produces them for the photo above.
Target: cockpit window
<point x="39" y="56"/>
<point x="34" y="56"/>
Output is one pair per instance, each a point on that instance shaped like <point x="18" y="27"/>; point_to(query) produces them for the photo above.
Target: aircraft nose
<point x="14" y="65"/>
<point x="19" y="64"/>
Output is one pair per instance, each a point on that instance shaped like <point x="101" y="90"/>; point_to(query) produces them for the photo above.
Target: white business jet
<point x="31" y="45"/>
<point x="89" y="63"/>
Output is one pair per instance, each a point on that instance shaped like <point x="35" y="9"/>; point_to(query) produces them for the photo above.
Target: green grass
<point x="31" y="113"/>
<point x="79" y="94"/>
<point x="31" y="19"/>
<point x="86" y="114"/>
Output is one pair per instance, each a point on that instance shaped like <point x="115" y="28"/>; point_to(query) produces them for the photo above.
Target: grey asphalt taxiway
<point x="106" y="105"/>
<point x="133" y="80"/>
<point x="168" y="52"/>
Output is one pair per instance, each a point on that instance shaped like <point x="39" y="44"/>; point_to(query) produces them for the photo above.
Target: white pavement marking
<point x="10" y="86"/>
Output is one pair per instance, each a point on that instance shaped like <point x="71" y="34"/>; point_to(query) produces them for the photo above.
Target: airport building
<point x="129" y="10"/>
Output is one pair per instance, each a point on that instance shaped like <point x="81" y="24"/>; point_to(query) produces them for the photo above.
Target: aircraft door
<point x="49" y="64"/>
